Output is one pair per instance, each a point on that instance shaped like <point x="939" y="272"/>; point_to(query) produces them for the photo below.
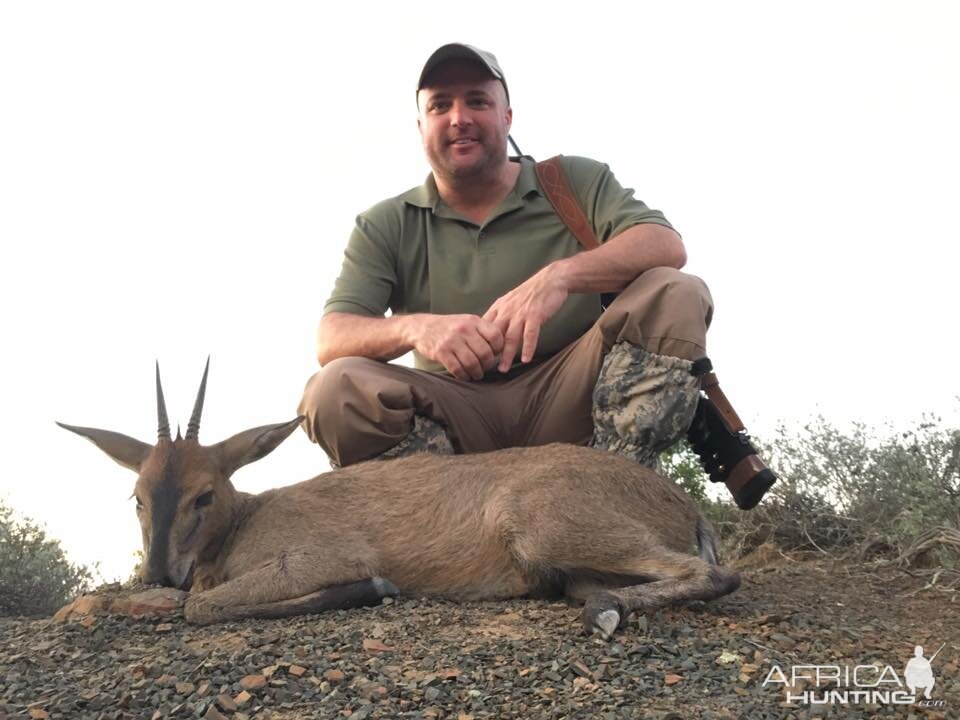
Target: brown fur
<point x="551" y="520"/>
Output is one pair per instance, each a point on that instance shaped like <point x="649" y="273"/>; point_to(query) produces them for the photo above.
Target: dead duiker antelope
<point x="536" y="522"/>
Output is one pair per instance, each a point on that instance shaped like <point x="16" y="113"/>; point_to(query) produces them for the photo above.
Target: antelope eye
<point x="139" y="505"/>
<point x="204" y="500"/>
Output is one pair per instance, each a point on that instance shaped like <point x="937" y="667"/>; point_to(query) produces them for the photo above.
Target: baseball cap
<point x="459" y="51"/>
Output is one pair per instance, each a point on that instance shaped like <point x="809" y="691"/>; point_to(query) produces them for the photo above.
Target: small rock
<point x="374" y="645"/>
<point x="226" y="703"/>
<point x="242" y="698"/>
<point x="214" y="714"/>
<point x="89" y="604"/>
<point x="580" y="669"/>
<point x="253" y="682"/>
<point x="156" y="601"/>
<point x="784" y="640"/>
<point x="727" y="657"/>
<point x="296" y="670"/>
<point x="334" y="676"/>
<point x="672" y="679"/>
<point x="184" y="688"/>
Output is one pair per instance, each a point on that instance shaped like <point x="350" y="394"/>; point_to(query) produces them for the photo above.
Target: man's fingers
<point x="453" y="365"/>
<point x="492" y="335"/>
<point x="462" y="362"/>
<point x="478" y="346"/>
<point x="470" y="363"/>
<point x="531" y="334"/>
<point x="511" y="344"/>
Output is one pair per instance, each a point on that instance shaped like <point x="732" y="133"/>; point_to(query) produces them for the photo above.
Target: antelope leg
<point x="220" y="605"/>
<point x="607" y="609"/>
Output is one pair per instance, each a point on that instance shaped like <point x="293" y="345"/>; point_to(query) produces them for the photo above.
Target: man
<point x="501" y="307"/>
<point x="919" y="673"/>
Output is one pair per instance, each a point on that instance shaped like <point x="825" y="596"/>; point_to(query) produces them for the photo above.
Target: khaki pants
<point x="357" y="408"/>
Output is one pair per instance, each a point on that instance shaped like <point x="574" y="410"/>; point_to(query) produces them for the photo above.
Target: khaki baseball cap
<point x="459" y="51"/>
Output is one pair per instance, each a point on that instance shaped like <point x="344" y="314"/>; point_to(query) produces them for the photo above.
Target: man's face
<point x="464" y="120"/>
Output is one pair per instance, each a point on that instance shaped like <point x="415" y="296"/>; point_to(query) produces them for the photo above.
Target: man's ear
<point x="419" y="106"/>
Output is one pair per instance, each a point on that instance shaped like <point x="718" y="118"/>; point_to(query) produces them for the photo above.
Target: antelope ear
<point x="249" y="445"/>
<point x="124" y="449"/>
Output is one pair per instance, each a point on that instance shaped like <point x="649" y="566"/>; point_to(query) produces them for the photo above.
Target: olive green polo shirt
<point x="415" y="254"/>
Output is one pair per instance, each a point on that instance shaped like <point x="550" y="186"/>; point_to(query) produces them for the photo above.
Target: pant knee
<point x="664" y="310"/>
<point x="667" y="285"/>
<point x="345" y="385"/>
<point x="323" y="387"/>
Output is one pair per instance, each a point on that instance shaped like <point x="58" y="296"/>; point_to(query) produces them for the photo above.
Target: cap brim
<point x="459" y="51"/>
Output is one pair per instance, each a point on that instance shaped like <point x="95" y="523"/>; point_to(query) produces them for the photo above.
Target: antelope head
<point x="186" y="503"/>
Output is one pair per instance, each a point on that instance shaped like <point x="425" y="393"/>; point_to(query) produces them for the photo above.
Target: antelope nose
<point x="154" y="576"/>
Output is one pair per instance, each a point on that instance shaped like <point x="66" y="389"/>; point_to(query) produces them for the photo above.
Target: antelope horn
<point x="193" y="427"/>
<point x="163" y="425"/>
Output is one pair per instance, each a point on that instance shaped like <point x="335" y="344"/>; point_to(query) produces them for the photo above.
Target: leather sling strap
<point x="703" y="369"/>
<point x="557" y="189"/>
<point x="711" y="387"/>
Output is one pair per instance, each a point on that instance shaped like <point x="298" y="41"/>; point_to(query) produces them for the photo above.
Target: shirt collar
<point x="426" y="195"/>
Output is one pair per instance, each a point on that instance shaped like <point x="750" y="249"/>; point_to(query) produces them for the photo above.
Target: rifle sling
<point x="556" y="187"/>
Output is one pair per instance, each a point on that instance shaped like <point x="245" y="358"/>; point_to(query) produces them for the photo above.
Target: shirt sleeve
<point x="610" y="207"/>
<point x="368" y="275"/>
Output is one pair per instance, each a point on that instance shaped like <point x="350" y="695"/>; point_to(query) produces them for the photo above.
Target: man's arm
<point x="620" y="260"/>
<point x="520" y="313"/>
<point x="465" y="345"/>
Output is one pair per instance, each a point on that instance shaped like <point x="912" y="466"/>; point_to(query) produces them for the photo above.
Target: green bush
<point x="35" y="576"/>
<point x="681" y="464"/>
<point x="862" y="493"/>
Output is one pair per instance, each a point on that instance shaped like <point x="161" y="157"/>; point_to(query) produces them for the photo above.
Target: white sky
<point x="179" y="178"/>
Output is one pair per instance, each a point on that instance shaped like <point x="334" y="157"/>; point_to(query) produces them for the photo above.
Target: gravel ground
<point x="416" y="658"/>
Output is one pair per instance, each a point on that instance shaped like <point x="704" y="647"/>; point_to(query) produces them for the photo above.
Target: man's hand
<point x="521" y="313"/>
<point x="466" y="345"/>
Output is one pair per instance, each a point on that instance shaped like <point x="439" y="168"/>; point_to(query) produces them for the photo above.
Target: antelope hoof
<point x="606" y="623"/>
<point x="384" y="587"/>
<point x="602" y="615"/>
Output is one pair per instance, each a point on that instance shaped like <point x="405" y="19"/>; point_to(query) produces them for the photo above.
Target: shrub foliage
<point x="858" y="493"/>
<point x="35" y="576"/>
